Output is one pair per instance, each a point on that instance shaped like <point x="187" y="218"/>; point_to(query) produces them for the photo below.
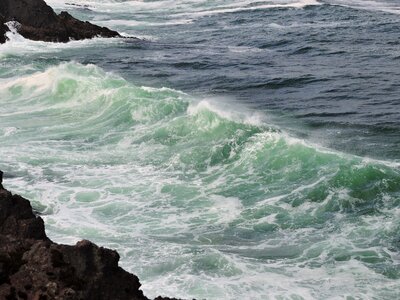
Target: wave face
<point x="193" y="195"/>
<point x="268" y="169"/>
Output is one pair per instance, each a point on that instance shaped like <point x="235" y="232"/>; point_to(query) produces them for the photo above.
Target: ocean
<point x="236" y="150"/>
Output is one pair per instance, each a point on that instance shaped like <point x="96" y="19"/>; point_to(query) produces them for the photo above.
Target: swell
<point x="221" y="188"/>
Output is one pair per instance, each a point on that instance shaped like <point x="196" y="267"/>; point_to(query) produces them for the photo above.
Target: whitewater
<point x="236" y="150"/>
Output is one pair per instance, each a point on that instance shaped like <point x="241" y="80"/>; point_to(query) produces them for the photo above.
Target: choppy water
<point x="241" y="150"/>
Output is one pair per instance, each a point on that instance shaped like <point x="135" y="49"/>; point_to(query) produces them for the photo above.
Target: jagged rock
<point x="37" y="21"/>
<point x="34" y="267"/>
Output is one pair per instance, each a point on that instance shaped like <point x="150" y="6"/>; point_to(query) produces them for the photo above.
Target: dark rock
<point x="34" y="267"/>
<point x="3" y="30"/>
<point x="17" y="218"/>
<point x="1" y="180"/>
<point x="38" y="21"/>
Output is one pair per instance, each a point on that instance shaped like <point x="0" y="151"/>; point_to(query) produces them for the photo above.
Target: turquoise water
<point x="203" y="193"/>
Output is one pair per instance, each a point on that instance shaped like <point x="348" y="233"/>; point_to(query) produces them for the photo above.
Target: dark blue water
<point x="330" y="70"/>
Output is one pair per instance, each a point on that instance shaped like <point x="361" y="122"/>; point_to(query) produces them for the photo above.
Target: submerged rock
<point x="36" y="20"/>
<point x="34" y="267"/>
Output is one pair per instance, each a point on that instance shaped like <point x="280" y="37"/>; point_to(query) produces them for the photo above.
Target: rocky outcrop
<point x="34" y="267"/>
<point x="37" y="21"/>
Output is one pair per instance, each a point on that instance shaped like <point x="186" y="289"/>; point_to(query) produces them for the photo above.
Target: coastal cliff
<point x="36" y="20"/>
<point x="34" y="267"/>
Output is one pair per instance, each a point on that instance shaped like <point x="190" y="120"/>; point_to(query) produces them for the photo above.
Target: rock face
<point x="33" y="267"/>
<point x="38" y="21"/>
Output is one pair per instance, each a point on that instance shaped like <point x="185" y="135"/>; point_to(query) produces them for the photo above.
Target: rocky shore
<point x="35" y="20"/>
<point x="34" y="267"/>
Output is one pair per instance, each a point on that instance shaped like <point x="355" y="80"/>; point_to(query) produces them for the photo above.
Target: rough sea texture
<point x="241" y="150"/>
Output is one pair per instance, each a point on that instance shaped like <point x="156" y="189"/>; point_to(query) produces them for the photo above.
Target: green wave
<point x="199" y="173"/>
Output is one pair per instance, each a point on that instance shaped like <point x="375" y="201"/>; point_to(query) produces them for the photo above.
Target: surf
<point x="141" y="168"/>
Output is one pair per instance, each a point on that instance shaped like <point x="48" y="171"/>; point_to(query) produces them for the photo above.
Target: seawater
<point x="240" y="149"/>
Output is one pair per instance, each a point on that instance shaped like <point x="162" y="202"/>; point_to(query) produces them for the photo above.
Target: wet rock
<point x="36" y="20"/>
<point x="17" y="219"/>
